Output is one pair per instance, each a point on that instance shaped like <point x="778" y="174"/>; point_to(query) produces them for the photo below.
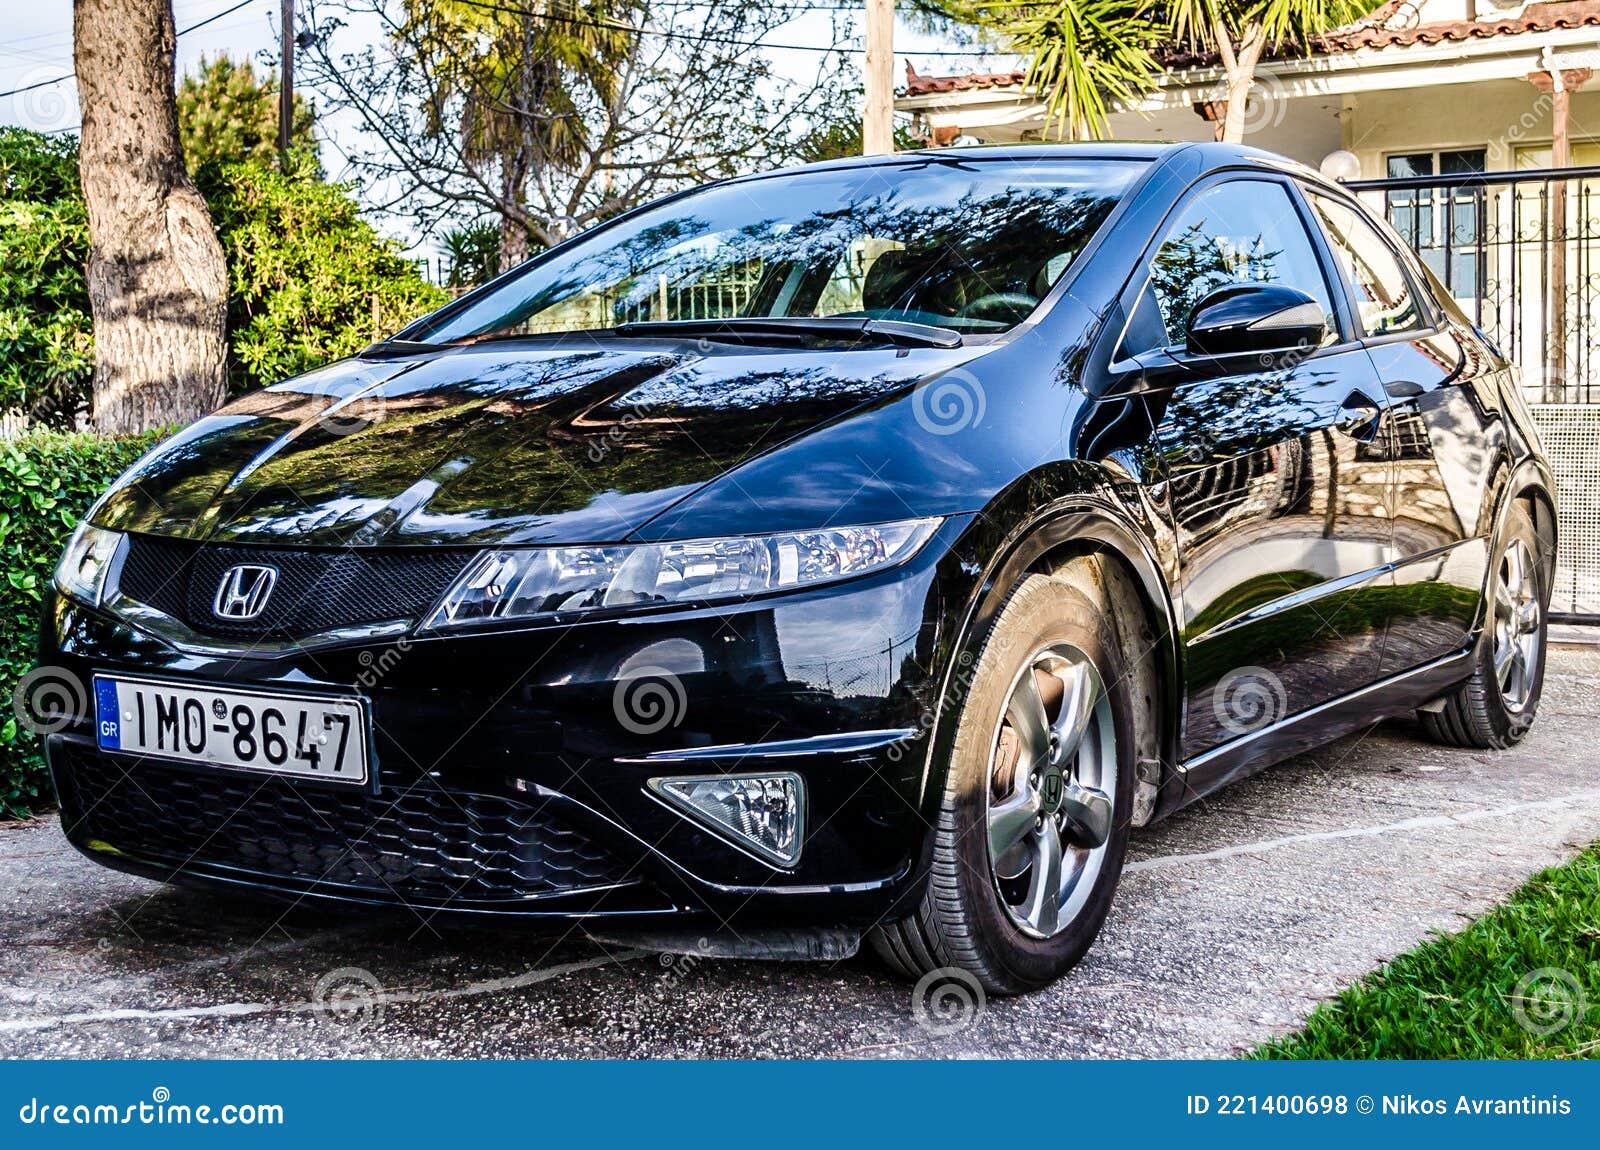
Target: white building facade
<point x="1457" y="104"/>
<point x="1421" y="86"/>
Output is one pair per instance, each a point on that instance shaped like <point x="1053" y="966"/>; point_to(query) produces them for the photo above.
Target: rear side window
<point x="1386" y="302"/>
<point x="1244" y="231"/>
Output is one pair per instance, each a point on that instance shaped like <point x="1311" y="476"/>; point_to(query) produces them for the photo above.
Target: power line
<point x="487" y="5"/>
<point x="218" y="16"/>
<point x="180" y="32"/>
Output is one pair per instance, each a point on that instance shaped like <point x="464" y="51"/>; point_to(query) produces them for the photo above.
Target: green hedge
<point x="47" y="481"/>
<point x="46" y="337"/>
<point x="310" y="280"/>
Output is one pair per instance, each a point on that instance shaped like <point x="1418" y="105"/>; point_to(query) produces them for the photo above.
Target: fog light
<point x="763" y="814"/>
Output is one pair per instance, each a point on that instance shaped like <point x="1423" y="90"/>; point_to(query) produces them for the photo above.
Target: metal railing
<point x="1520" y="253"/>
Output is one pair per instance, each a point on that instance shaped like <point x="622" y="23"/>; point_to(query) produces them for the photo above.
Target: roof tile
<point x="1373" y="32"/>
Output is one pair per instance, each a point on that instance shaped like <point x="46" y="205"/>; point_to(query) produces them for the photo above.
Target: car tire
<point x="978" y="913"/>
<point x="1495" y="708"/>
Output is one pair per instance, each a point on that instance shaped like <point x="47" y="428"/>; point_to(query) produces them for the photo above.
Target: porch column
<point x="1557" y="84"/>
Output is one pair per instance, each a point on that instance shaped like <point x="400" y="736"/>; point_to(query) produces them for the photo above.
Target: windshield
<point x="972" y="246"/>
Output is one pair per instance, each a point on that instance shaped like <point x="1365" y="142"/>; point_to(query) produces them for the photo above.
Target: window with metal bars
<point x="1444" y="226"/>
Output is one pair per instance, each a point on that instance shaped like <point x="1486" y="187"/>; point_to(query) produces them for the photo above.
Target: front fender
<point x="1063" y="506"/>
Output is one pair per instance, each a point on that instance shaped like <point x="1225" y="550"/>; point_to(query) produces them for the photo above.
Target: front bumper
<point x="510" y="769"/>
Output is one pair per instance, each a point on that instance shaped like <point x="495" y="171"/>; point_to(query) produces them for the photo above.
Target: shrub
<point x="228" y="113"/>
<point x="46" y="337"/>
<point x="309" y="280"/>
<point x="47" y="481"/>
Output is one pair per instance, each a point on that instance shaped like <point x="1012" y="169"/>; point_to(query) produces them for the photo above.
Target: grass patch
<point x="1521" y="982"/>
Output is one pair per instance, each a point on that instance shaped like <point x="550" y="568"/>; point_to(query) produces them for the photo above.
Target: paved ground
<point x="1235" y="919"/>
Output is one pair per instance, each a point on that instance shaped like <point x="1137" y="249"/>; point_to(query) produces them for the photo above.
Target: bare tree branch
<point x="682" y="103"/>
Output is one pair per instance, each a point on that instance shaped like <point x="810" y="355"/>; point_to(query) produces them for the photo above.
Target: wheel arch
<point x="1531" y="484"/>
<point x="1090" y="545"/>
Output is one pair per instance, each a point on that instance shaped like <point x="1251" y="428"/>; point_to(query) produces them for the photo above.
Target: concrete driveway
<point x="1235" y="918"/>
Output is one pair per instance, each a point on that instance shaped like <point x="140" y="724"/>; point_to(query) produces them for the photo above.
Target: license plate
<point x="308" y="736"/>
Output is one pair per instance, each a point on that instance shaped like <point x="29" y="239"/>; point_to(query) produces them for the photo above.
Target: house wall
<point x="1304" y="130"/>
<point x="1500" y="115"/>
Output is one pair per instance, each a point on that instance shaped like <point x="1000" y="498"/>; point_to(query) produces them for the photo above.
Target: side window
<point x="1385" y="300"/>
<point x="1244" y="231"/>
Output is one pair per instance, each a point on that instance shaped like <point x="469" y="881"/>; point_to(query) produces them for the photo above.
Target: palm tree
<point x="1239" y="31"/>
<point x="473" y="251"/>
<point x="1084" y="55"/>
<point x="513" y="84"/>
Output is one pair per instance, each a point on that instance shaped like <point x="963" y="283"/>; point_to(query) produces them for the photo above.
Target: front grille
<point x="317" y="589"/>
<point x="420" y="845"/>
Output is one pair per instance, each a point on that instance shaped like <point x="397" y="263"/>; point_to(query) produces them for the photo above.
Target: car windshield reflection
<point x="970" y="248"/>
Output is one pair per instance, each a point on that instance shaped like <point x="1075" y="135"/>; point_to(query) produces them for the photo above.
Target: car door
<point x="1444" y="433"/>
<point x="1276" y="482"/>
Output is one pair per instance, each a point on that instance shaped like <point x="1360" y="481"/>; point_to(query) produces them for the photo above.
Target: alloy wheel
<point x="1052" y="776"/>
<point x="1518" y="617"/>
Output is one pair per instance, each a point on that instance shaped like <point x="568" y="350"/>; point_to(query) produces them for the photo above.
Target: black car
<point x="864" y="548"/>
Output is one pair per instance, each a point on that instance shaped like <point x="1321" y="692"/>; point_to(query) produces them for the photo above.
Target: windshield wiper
<point x="399" y="347"/>
<point x="900" y="333"/>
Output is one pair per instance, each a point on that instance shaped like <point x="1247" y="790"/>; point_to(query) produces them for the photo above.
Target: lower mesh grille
<point x="421" y="844"/>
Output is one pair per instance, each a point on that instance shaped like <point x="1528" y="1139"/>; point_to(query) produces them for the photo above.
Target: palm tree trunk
<point x="1239" y="62"/>
<point x="518" y="155"/>
<point x="513" y="190"/>
<point x="1238" y="99"/>
<point x="158" y="286"/>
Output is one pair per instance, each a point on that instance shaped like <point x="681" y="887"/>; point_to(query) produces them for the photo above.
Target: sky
<point x="36" y="49"/>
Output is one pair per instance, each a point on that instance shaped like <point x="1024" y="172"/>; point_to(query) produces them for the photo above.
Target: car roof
<point x="1204" y="157"/>
<point x="1132" y="150"/>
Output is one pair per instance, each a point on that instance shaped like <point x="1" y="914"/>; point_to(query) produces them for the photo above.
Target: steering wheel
<point x="1011" y="300"/>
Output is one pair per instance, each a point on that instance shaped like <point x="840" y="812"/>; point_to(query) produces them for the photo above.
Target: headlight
<point x="524" y="583"/>
<point x="83" y="567"/>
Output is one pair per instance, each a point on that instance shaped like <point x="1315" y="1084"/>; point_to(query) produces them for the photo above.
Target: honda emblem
<point x="244" y="591"/>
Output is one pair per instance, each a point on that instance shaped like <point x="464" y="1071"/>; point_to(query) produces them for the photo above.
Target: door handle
<point x="1403" y="388"/>
<point x="1360" y="416"/>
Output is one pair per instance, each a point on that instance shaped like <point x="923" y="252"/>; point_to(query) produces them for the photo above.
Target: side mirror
<point x="1255" y="319"/>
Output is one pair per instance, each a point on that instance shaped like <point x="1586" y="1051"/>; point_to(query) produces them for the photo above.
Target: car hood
<point x="529" y="442"/>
